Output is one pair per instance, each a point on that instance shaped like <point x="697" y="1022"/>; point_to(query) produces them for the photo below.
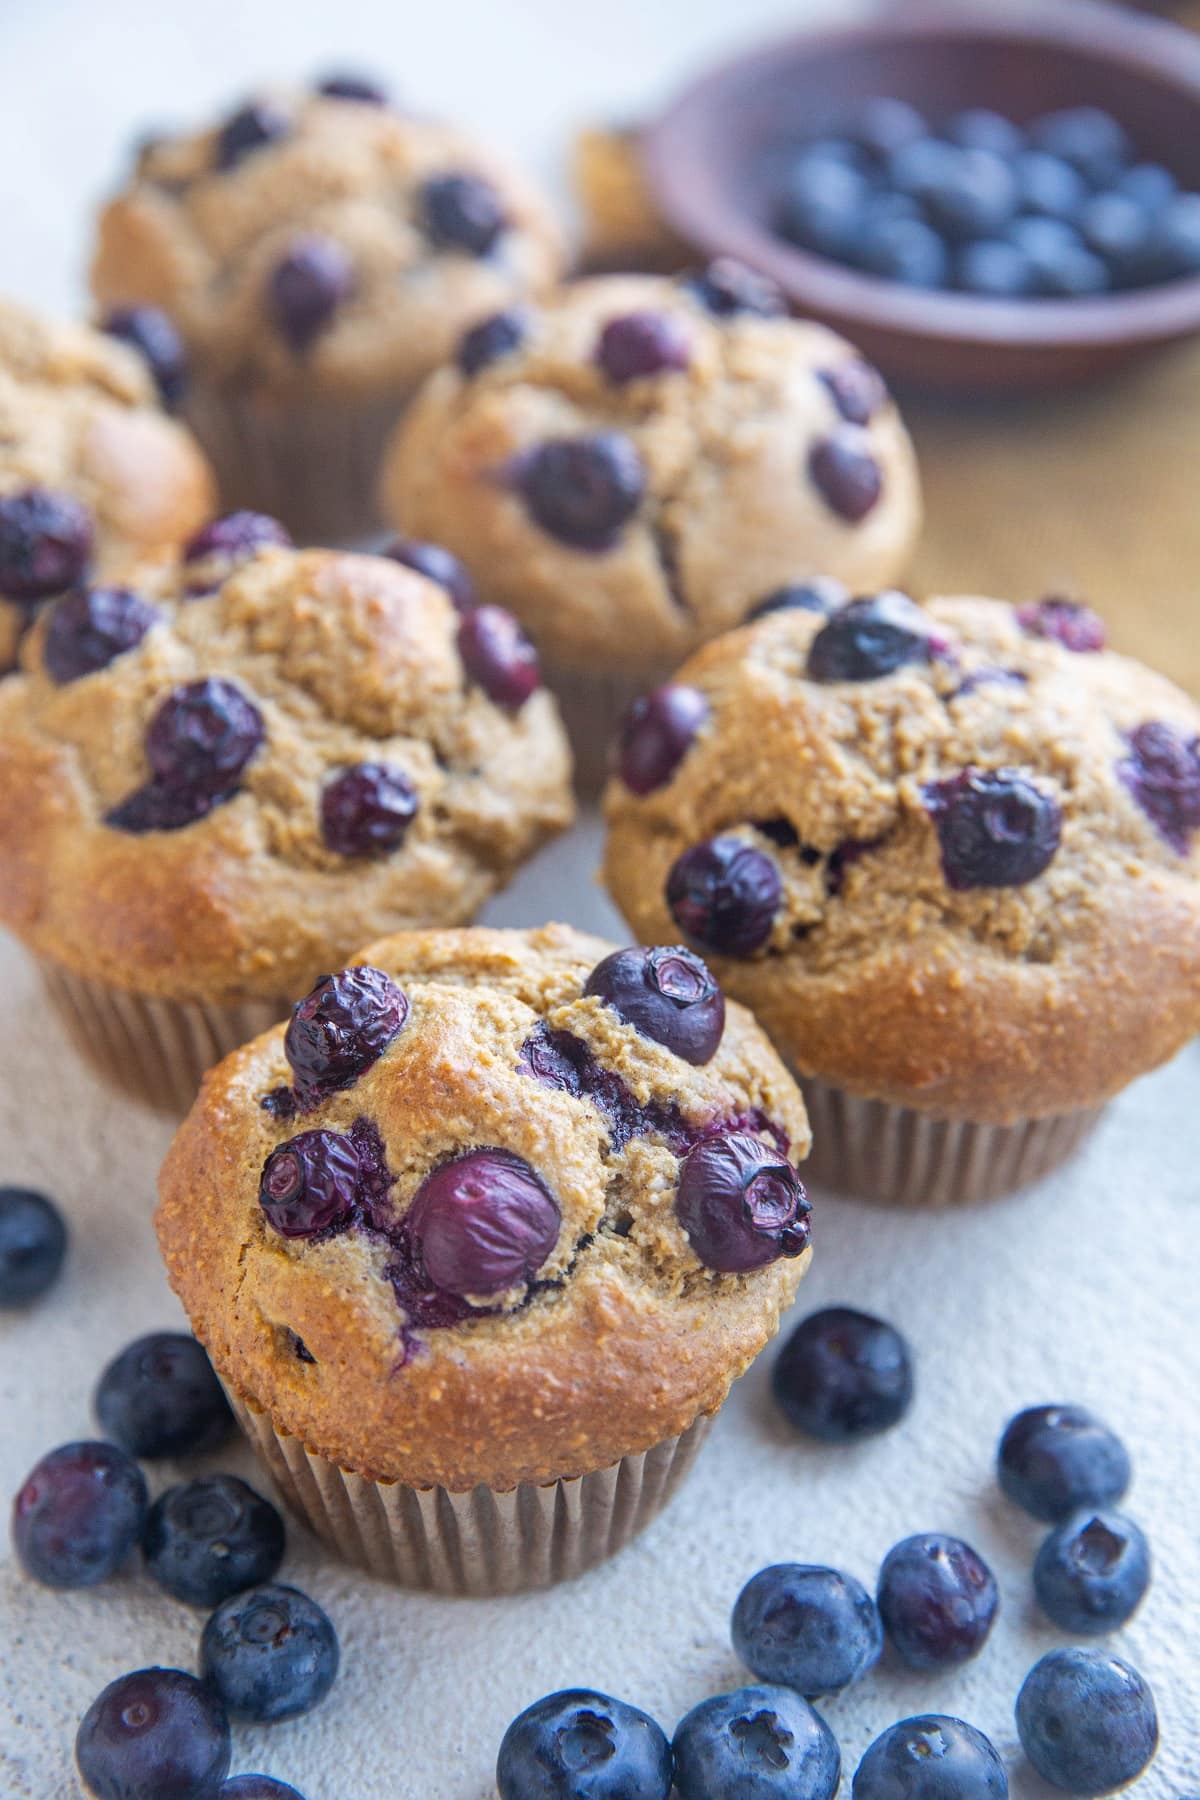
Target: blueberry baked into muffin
<point x="949" y="854"/>
<point x="93" y="476"/>
<point x="480" y="1239"/>
<point x="217" y="780"/>
<point x="631" y="466"/>
<point x="319" y="253"/>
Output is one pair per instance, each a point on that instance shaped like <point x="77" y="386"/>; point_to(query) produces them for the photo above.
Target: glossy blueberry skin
<point x="870" y="638"/>
<point x="724" y="895"/>
<point x="257" y="1787"/>
<point x="1087" y="1721"/>
<point x="843" y="1375"/>
<point x="727" y="288"/>
<point x="757" y="1743"/>
<point x="996" y="828"/>
<point x="310" y="1184"/>
<point x="806" y="1627"/>
<point x="90" y="627"/>
<point x="667" y="995"/>
<point x="461" y="212"/>
<point x="306" y="289"/>
<point x="499" y="657"/>
<point x="437" y="565"/>
<point x="491" y="340"/>
<point x="271" y="1653"/>
<point x="341" y="1028"/>
<point x="236" y="535"/>
<point x="205" y="1540"/>
<point x="741" y="1205"/>
<point x="203" y="735"/>
<point x="931" y="1757"/>
<point x="46" y="542"/>
<point x="160" y="1397"/>
<point x="1055" y="1460"/>
<point x="856" y="388"/>
<point x="152" y="333"/>
<point x="937" y="1599"/>
<point x="844" y="471"/>
<point x="1092" y="1572"/>
<point x="33" y="1243"/>
<point x="252" y="128"/>
<point x="582" y="490"/>
<point x="366" y="810"/>
<point x="78" y="1514"/>
<point x="482" y="1223"/>
<point x="581" y="1745"/>
<point x="157" y="1734"/>
<point x="657" y="733"/>
<point x="637" y="345"/>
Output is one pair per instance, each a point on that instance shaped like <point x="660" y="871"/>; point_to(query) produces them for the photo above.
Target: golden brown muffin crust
<point x="624" y="1340"/>
<point x="622" y="226"/>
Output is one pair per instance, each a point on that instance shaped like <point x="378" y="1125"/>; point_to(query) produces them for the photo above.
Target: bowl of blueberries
<point x="996" y="197"/>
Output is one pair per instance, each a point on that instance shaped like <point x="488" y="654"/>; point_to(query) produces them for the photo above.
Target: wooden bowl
<point x="705" y="156"/>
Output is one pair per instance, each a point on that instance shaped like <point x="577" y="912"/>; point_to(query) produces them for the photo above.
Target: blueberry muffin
<point x="622" y="226"/>
<point x="319" y="253"/>
<point x="218" y="778"/>
<point x="479" y="1242"/>
<point x="636" y="464"/>
<point x="950" y="854"/>
<point x="92" y="475"/>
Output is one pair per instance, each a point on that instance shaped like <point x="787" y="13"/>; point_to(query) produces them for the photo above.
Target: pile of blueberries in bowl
<point x="1059" y="208"/>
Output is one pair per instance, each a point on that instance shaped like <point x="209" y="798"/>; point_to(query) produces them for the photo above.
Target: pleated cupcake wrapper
<point x="312" y="464"/>
<point x="156" y="1051"/>
<point x="900" y="1157"/>
<point x="481" y="1541"/>
<point x="593" y="706"/>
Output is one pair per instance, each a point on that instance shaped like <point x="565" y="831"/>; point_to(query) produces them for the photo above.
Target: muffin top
<point x="322" y="239"/>
<point x="622" y="226"/>
<point x="949" y="854"/>
<point x="495" y="1206"/>
<point x="216" y="781"/>
<point x="92" y="474"/>
<point x="639" y="461"/>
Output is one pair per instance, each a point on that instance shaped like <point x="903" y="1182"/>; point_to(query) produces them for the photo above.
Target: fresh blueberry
<point x="974" y="196"/>
<point x="820" y="207"/>
<point x="1162" y="772"/>
<point x="499" y="657"/>
<point x="741" y="1204"/>
<point x="821" y="595"/>
<point x="931" y="1758"/>
<point x="843" y="1375"/>
<point x="307" y="287"/>
<point x="657" y="732"/>
<point x="883" y="126"/>
<point x="1062" y="264"/>
<point x="1087" y="1721"/>
<point x="236" y="536"/>
<point x="580" y="1745"/>
<point x="937" y="1599"/>
<point x="341" y="1028"/>
<point x="1118" y="230"/>
<point x="870" y="638"/>
<point x="1055" y="1460"/>
<point x="160" y="1397"/>
<point x="906" y="250"/>
<point x="270" y="1654"/>
<point x="490" y="340"/>
<point x="757" y="1743"/>
<point x="582" y="490"/>
<point x="979" y="128"/>
<point x="727" y="289"/>
<point x="257" y="1787"/>
<point x="724" y="895"/>
<point x="1175" y="251"/>
<point x="461" y="212"/>
<point x="78" y="1514"/>
<point x="90" y="627"/>
<point x="1092" y="1572"/>
<point x="344" y="84"/>
<point x="366" y="810"/>
<point x="1067" y="622"/>
<point x="205" y="1540"/>
<point x="667" y="995"/>
<point x="437" y="565"/>
<point x="1088" y="138"/>
<point x="157" y="1734"/>
<point x="996" y="828"/>
<point x="640" y="344"/>
<point x="1152" y="186"/>
<point x="310" y="1184"/>
<point x="808" y="1628"/>
<point x="45" y="543"/>
<point x="252" y="128"/>
<point x="917" y="168"/>
<point x="152" y="333"/>
<point x="1049" y="187"/>
<point x="33" y="1243"/>
<point x="996" y="270"/>
<point x="482" y="1223"/>
<point x="844" y="471"/>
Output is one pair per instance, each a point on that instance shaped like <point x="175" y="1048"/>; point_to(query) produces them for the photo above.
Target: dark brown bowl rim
<point x="695" y="203"/>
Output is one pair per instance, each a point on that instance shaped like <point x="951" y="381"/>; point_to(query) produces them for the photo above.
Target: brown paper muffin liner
<point x="478" y="1542"/>
<point x="900" y="1157"/>
<point x="156" y="1051"/>
<point x="593" y="707"/>
<point x="312" y="464"/>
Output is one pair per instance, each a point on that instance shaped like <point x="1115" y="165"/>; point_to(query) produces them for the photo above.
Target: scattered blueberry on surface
<point x="236" y="535"/>
<point x="727" y="288"/>
<point x="724" y="895"/>
<point x="33" y="1243"/>
<point x="46" y="542"/>
<point x="498" y="655"/>
<point x="741" y="1204"/>
<point x="160" y="1397"/>
<point x="491" y="340"/>
<point x="90" y="627"/>
<point x="582" y="490"/>
<point x="340" y="1028"/>
<point x="640" y="344"/>
<point x="937" y="1599"/>
<point x="307" y="287"/>
<point x="157" y="1734"/>
<point x="271" y="1653"/>
<point x="461" y="212"/>
<point x="669" y="996"/>
<point x="757" y="1743"/>
<point x="843" y="1375"/>
<point x="1162" y="771"/>
<point x="931" y="1758"/>
<point x="806" y="1627"/>
<point x="1087" y="1721"/>
<point x="580" y="1745"/>
<point x="870" y="638"/>
<point x="251" y="128"/>
<point x="205" y="1540"/>
<point x="1092" y="1572"/>
<point x="310" y="1184"/>
<point x="78" y="1514"/>
<point x="152" y="333"/>
<point x="366" y="809"/>
<point x="996" y="828"/>
<point x="657" y="733"/>
<point x="482" y="1223"/>
<point x="1055" y="1460"/>
<point x="437" y="565"/>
